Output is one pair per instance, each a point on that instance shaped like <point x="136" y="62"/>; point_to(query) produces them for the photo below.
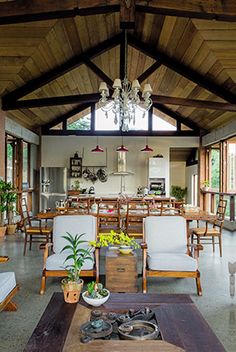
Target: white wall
<point x="177" y="173"/>
<point x="190" y="171"/>
<point x="56" y="151"/>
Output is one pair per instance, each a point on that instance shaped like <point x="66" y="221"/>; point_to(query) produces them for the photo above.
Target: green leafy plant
<point x="205" y="183"/>
<point x="113" y="238"/>
<point x="76" y="185"/>
<point x="77" y="254"/>
<point x="178" y="192"/>
<point x="96" y="290"/>
<point x="7" y="199"/>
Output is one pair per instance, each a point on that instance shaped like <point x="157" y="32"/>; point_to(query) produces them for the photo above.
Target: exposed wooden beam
<point x="35" y="10"/>
<point x="119" y="133"/>
<point x="69" y="65"/>
<point x="64" y="117"/>
<point x="182" y="69"/>
<point x="99" y="73"/>
<point x="94" y="97"/>
<point x="201" y="104"/>
<point x="127" y="14"/>
<point x="208" y="10"/>
<point x="179" y="118"/>
<point x="149" y="71"/>
<point x="53" y="101"/>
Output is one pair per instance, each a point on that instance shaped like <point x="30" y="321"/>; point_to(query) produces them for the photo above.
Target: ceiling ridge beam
<point x="201" y="104"/>
<point x="60" y="70"/>
<point x="52" y="101"/>
<point x="178" y="117"/>
<point x="182" y="69"/>
<point x="64" y="117"/>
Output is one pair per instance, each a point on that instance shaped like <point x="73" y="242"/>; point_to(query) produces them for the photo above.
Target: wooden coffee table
<point x="180" y="323"/>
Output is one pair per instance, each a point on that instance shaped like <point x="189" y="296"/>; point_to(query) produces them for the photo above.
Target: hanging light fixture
<point x="97" y="149"/>
<point x="147" y="149"/>
<point x="122" y="148"/>
<point x="125" y="98"/>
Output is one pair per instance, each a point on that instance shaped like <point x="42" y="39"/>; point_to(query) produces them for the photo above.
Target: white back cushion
<point x="165" y="234"/>
<point x="74" y="224"/>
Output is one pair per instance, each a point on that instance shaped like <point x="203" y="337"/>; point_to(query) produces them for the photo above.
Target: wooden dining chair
<point x="137" y="210"/>
<point x="36" y="230"/>
<point x="108" y="216"/>
<point x="211" y="230"/>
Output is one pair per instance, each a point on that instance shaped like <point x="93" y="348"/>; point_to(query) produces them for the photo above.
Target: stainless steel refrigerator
<point x="53" y="186"/>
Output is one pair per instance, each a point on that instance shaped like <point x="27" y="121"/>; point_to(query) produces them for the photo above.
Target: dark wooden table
<point x="179" y="320"/>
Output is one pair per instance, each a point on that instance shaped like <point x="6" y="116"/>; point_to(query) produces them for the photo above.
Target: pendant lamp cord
<point x="126" y="53"/>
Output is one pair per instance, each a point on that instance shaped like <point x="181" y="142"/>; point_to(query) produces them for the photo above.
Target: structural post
<point x="2" y="144"/>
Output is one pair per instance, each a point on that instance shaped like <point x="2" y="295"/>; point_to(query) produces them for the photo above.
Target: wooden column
<point x="223" y="166"/>
<point x="2" y="143"/>
<point x="203" y="174"/>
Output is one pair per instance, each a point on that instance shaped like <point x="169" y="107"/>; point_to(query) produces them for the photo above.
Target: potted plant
<point x="178" y="192"/>
<point x="121" y="241"/>
<point x="205" y="185"/>
<point x="96" y="294"/>
<point x="11" y="200"/>
<point x="5" y="187"/>
<point x="76" y="257"/>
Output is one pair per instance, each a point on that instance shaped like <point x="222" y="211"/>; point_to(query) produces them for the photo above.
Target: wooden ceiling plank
<point x="61" y="69"/>
<point x="182" y="69"/>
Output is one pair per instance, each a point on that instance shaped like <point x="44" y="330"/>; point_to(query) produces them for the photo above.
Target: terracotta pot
<point x="2" y="232"/>
<point x="71" y="290"/>
<point x="11" y="229"/>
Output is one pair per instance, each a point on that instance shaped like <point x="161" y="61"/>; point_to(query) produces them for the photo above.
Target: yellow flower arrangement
<point x="113" y="238"/>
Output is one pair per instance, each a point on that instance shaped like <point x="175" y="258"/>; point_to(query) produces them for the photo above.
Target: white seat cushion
<point x="57" y="262"/>
<point x="73" y="224"/>
<point x="7" y="283"/>
<point x="171" y="262"/>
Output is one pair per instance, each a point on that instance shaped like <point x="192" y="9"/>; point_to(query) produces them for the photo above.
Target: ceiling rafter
<point x="149" y="71"/>
<point x="99" y="72"/>
<point x="37" y="10"/>
<point x="182" y="69"/>
<point x="60" y="70"/>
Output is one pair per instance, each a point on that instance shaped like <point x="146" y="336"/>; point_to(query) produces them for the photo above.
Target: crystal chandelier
<point x="125" y="99"/>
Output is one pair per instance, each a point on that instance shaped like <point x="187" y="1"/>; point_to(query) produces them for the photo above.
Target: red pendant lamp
<point x="122" y="148"/>
<point x="97" y="149"/>
<point x="147" y="149"/>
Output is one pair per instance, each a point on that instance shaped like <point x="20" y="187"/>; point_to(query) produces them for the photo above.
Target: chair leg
<point x="220" y="245"/>
<point x="11" y="307"/>
<point x="25" y="244"/>
<point x="43" y="284"/>
<point x="31" y="239"/>
<point x="198" y="283"/>
<point x="213" y="244"/>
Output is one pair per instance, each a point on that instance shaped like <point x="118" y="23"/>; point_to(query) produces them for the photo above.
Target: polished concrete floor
<point x="216" y="305"/>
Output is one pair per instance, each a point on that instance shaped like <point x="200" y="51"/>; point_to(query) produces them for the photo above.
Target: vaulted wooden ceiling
<point x="190" y="62"/>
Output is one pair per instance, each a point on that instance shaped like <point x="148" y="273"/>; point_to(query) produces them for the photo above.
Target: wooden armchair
<point x="74" y="224"/>
<point x="35" y="229"/>
<point x="166" y="252"/>
<point x="213" y="230"/>
<point x="8" y="289"/>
